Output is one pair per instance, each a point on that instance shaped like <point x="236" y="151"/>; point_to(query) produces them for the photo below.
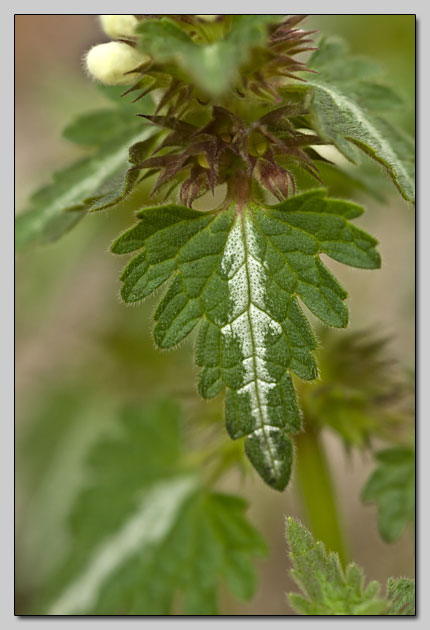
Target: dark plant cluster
<point x="226" y="148"/>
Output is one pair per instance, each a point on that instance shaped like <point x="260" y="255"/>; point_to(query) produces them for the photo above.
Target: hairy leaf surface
<point x="392" y="487"/>
<point x="344" y="105"/>
<point x="401" y="592"/>
<point x="146" y="530"/>
<point x="328" y="589"/>
<point x="239" y="274"/>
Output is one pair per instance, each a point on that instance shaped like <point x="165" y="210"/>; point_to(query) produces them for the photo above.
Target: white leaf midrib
<point x="241" y="244"/>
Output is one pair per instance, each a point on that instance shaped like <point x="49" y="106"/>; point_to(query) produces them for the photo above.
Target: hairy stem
<point x="239" y="188"/>
<point x="317" y="492"/>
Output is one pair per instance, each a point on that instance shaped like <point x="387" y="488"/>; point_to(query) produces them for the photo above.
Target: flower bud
<point x="109" y="62"/>
<point x="257" y="144"/>
<point x="203" y="161"/>
<point x="207" y="18"/>
<point x="119" y="25"/>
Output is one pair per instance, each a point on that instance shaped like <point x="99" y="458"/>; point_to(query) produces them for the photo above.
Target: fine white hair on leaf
<point x="362" y="128"/>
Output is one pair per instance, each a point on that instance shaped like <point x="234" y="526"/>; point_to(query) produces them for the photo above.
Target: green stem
<point x="317" y="493"/>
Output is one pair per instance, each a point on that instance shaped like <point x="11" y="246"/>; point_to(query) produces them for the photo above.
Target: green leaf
<point x="328" y="589"/>
<point x="392" y="487"/>
<point x="214" y="66"/>
<point x="401" y="592"/>
<point x="146" y="529"/>
<point x="343" y="104"/>
<point x="56" y="208"/>
<point x="239" y="275"/>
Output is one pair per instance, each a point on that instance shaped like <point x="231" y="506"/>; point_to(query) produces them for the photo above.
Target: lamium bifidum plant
<point x="240" y="109"/>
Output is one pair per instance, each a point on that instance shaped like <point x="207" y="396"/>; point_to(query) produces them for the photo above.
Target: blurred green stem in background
<point x="317" y="493"/>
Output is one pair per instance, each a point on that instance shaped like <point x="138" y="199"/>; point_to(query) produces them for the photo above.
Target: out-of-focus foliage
<point x="392" y="487"/>
<point x="362" y="392"/>
<point x="147" y="526"/>
<point x="115" y="135"/>
<point x="212" y="65"/>
<point x="394" y="52"/>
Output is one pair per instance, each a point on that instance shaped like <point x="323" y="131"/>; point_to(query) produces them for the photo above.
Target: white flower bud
<point x="207" y="18"/>
<point x="109" y="62"/>
<point x="119" y="25"/>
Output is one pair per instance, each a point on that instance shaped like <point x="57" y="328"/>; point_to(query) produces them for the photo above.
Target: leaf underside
<point x="239" y="275"/>
<point x="346" y="106"/>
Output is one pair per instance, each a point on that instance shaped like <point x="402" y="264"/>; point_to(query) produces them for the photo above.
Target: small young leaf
<point x="343" y="99"/>
<point x="146" y="529"/>
<point x="392" y="487"/>
<point x="326" y="588"/>
<point x="401" y="592"/>
<point x="239" y="275"/>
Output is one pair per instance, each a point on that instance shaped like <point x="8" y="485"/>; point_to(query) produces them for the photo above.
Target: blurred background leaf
<point x="57" y="207"/>
<point x="392" y="487"/>
<point x="144" y="524"/>
<point x="212" y="65"/>
<point x="363" y="394"/>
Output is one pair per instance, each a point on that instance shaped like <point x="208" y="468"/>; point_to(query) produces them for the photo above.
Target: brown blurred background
<point x="74" y="338"/>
